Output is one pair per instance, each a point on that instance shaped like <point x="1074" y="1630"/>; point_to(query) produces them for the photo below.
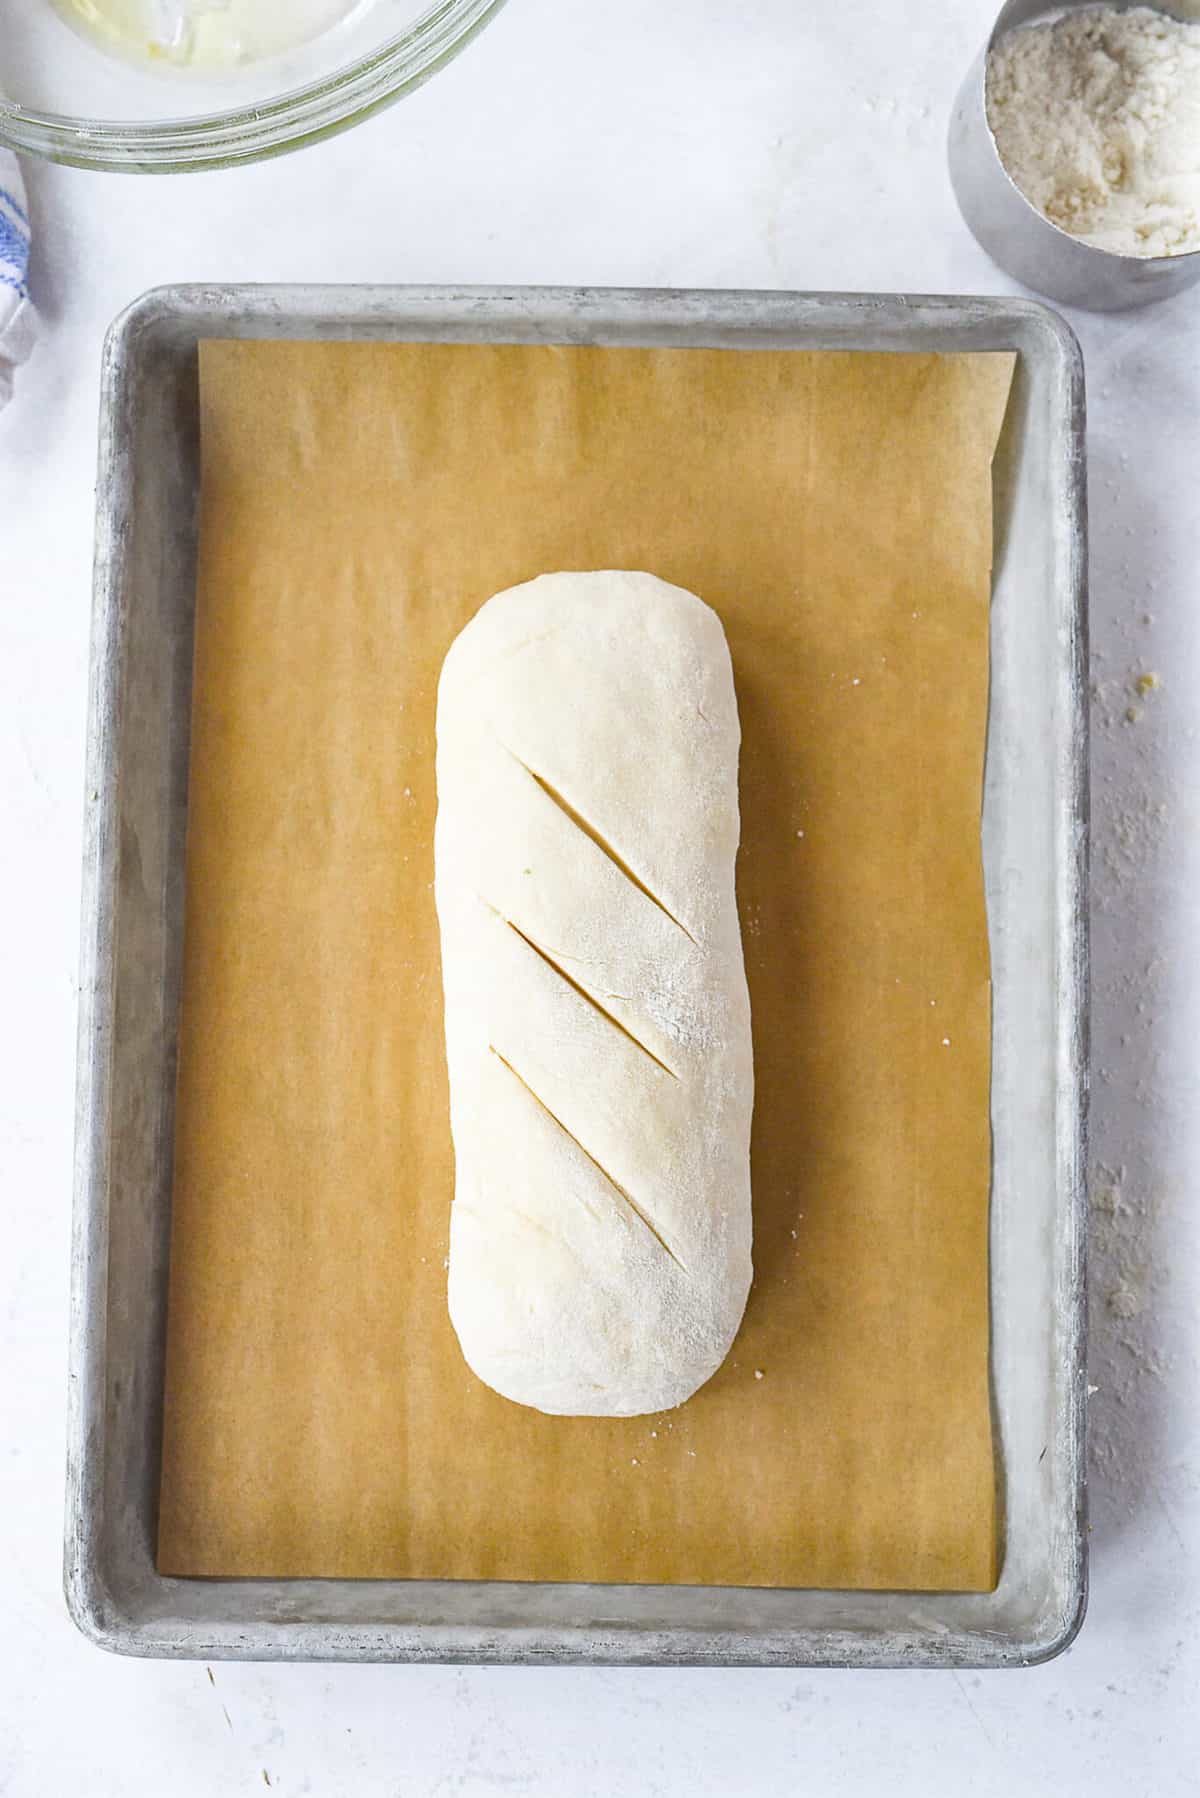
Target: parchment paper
<point x="359" y="503"/>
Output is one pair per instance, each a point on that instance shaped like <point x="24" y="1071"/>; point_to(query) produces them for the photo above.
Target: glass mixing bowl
<point x="163" y="103"/>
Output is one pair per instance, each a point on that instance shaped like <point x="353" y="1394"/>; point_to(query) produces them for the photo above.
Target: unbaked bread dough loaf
<point x="597" y="1018"/>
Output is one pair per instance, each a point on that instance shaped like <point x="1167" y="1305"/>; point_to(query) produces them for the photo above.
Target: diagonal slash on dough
<point x="632" y="1203"/>
<point x="602" y="843"/>
<point x="545" y="955"/>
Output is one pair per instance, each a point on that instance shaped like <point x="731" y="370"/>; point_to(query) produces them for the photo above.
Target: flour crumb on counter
<point x="1123" y="1301"/>
<point x="1116" y="701"/>
<point x="1122" y="1267"/>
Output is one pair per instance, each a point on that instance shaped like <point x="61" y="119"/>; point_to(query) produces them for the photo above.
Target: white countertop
<point x="690" y="142"/>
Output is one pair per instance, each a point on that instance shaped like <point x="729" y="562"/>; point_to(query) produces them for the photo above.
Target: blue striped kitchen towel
<point x="18" y="324"/>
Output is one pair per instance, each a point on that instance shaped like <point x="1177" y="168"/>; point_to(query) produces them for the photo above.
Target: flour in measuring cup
<point x="1096" y="116"/>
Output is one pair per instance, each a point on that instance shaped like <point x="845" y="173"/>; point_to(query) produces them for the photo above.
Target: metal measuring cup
<point x="1012" y="230"/>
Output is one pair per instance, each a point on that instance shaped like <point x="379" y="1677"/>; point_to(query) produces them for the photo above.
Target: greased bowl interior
<point x="64" y="98"/>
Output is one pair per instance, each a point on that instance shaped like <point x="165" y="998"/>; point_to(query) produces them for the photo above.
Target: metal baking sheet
<point x="1035" y="857"/>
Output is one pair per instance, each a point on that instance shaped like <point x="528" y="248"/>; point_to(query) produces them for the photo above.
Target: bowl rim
<point x="250" y="133"/>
